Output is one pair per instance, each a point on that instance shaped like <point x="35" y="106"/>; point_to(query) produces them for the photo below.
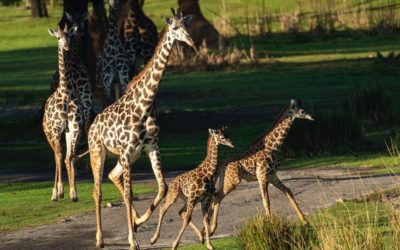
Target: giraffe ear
<point x="211" y="131"/>
<point x="168" y="20"/>
<point x="293" y="103"/>
<point x="69" y="17"/>
<point x="73" y="30"/>
<point x="52" y="32"/>
<point x="187" y="20"/>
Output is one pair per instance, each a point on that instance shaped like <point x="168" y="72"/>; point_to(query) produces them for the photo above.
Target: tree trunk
<point x="38" y="8"/>
<point x="200" y="29"/>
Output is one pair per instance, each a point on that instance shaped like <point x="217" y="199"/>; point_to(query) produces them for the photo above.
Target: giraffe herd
<point x="128" y="126"/>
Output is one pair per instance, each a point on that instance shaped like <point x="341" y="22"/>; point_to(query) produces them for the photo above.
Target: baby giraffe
<point x="195" y="186"/>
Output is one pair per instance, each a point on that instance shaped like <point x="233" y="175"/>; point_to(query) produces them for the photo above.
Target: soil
<point x="313" y="189"/>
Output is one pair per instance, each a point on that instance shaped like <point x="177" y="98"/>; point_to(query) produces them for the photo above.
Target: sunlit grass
<point x="26" y="204"/>
<point x="355" y="225"/>
<point x="218" y="244"/>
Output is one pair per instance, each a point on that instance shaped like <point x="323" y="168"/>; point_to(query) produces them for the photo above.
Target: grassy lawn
<point x="26" y="204"/>
<point x="321" y="72"/>
<point x="218" y="244"/>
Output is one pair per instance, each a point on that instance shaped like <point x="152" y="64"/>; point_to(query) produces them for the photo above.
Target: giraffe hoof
<point x="100" y="245"/>
<point x="61" y="196"/>
<point x="75" y="199"/>
<point x="152" y="241"/>
<point x="54" y="199"/>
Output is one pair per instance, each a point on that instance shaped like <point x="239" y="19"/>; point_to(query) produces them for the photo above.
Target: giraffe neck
<point x="62" y="86"/>
<point x="211" y="159"/>
<point x="143" y="88"/>
<point x="76" y="45"/>
<point x="112" y="25"/>
<point x="273" y="140"/>
<point x="136" y="10"/>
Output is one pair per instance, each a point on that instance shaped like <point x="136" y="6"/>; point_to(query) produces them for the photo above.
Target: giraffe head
<point x="117" y="4"/>
<point x="177" y="27"/>
<point x="63" y="36"/>
<point x="296" y="111"/>
<point x="221" y="137"/>
<point x="78" y="20"/>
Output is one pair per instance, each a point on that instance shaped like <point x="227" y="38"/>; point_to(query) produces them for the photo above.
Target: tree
<point x="200" y="29"/>
<point x="38" y="8"/>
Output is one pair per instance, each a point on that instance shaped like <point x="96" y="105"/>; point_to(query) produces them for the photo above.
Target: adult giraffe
<point x="123" y="129"/>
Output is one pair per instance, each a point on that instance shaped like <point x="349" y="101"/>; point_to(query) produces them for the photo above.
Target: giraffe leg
<point x="154" y="155"/>
<point x="186" y="216"/>
<point x="108" y="83"/>
<point x="171" y="198"/>
<point x="123" y="78"/>
<point x="58" y="192"/>
<point x="205" y="207"/>
<point x="279" y="185"/>
<point x="128" y="198"/>
<point x="97" y="158"/>
<point x="263" y="183"/>
<point x="71" y="141"/>
<point x="196" y="230"/>
<point x="116" y="177"/>
<point x="227" y="183"/>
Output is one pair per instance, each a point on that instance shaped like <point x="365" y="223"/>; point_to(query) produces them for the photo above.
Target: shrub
<point x="275" y="233"/>
<point x="331" y="132"/>
<point x="371" y="106"/>
<point x="9" y="2"/>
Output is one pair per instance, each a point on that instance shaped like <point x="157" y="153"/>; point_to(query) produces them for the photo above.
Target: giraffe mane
<point x="137" y="78"/>
<point x="262" y="136"/>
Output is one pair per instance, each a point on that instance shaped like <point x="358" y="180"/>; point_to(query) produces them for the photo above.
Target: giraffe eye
<point x="175" y="28"/>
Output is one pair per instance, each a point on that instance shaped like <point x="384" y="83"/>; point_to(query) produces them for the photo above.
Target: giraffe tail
<point x="83" y="154"/>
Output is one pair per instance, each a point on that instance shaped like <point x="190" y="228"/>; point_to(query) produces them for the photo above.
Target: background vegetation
<point x="341" y="58"/>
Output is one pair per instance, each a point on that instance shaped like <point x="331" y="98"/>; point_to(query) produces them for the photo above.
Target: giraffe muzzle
<point x="189" y="41"/>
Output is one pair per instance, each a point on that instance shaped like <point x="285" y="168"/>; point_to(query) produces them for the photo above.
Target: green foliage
<point x="358" y="225"/>
<point x="371" y="106"/>
<point x="331" y="132"/>
<point x="275" y="233"/>
<point x="228" y="243"/>
<point x="9" y="2"/>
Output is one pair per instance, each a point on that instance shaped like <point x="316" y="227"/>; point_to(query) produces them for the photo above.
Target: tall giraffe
<point x="80" y="21"/>
<point x="113" y="61"/>
<point x="194" y="186"/>
<point x="123" y="126"/>
<point x="77" y="68"/>
<point x="140" y="34"/>
<point x="260" y="163"/>
<point x="56" y="108"/>
<point x="80" y="106"/>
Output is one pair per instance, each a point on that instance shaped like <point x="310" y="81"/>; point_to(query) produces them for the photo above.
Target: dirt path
<point x="312" y="188"/>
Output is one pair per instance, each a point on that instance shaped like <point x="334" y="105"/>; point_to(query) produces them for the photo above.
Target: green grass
<point x="366" y="223"/>
<point x="379" y="160"/>
<point x="26" y="204"/>
<point x="348" y="225"/>
<point x="218" y="244"/>
<point x="321" y="72"/>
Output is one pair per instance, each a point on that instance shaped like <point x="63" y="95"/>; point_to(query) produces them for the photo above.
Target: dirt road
<point x="313" y="189"/>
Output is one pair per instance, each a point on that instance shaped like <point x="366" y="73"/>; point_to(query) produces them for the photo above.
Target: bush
<point x="9" y="2"/>
<point x="371" y="106"/>
<point x="331" y="132"/>
<point x="276" y="234"/>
